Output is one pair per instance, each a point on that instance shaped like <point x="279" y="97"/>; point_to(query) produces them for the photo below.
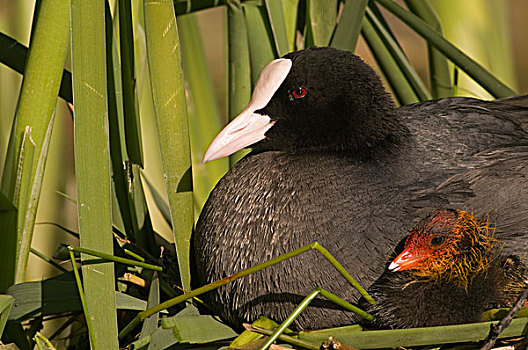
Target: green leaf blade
<point x="399" y="84"/>
<point x="438" y="65"/>
<point x="261" y="45"/>
<point x="414" y="336"/>
<point x="128" y="79"/>
<point x="323" y="17"/>
<point x="92" y="152"/>
<point x="204" y="114"/>
<point x="168" y="93"/>
<point x="239" y="71"/>
<point x="278" y="25"/>
<point x="6" y="302"/>
<point x="290" y="8"/>
<point x="35" y="110"/>
<point x="468" y="65"/>
<point x="349" y="26"/>
<point x="399" y="57"/>
<point x="190" y="327"/>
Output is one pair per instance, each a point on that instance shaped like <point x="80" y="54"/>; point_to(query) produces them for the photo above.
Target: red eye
<point x="300" y="92"/>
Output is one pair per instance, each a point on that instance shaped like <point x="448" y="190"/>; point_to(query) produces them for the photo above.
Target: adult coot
<point x="335" y="161"/>
<point x="451" y="269"/>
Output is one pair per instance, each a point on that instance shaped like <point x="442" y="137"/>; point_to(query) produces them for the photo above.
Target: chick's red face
<point x="427" y="241"/>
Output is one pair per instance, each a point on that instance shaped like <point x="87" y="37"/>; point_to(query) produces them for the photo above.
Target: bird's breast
<point x="272" y="203"/>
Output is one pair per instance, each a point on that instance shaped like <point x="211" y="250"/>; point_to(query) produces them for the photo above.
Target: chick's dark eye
<point x="299" y="92"/>
<point x="437" y="240"/>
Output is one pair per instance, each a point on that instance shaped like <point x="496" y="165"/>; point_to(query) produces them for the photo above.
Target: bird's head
<point x="449" y="245"/>
<point x="318" y="98"/>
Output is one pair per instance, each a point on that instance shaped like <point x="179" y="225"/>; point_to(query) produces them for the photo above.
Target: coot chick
<point x="451" y="270"/>
<point x="335" y="161"/>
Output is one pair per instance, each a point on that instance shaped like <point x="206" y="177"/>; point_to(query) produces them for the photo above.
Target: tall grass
<point x="145" y="105"/>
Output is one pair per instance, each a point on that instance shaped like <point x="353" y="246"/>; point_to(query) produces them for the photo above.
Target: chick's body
<point x="446" y="274"/>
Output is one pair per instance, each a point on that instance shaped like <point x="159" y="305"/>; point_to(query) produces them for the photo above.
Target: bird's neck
<point x="385" y="135"/>
<point x="384" y="140"/>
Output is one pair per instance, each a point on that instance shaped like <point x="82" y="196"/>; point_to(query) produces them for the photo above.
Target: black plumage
<point x="451" y="270"/>
<point x="340" y="164"/>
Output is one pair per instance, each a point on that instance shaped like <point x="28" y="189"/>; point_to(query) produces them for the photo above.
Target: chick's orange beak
<point x="406" y="260"/>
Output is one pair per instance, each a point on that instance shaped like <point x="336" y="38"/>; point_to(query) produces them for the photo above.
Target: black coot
<point x="335" y="161"/>
<point x="451" y="270"/>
